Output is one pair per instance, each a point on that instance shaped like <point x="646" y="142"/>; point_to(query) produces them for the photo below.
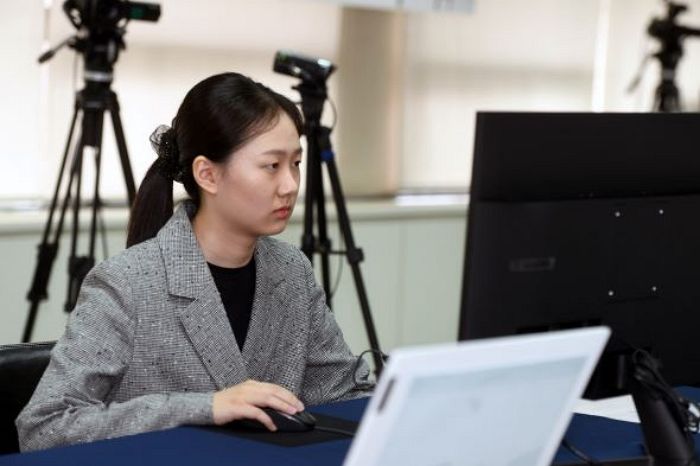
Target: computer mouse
<point x="285" y="422"/>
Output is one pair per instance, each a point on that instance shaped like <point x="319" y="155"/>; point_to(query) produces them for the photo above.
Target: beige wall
<point x="412" y="271"/>
<point x="407" y="87"/>
<point x="413" y="128"/>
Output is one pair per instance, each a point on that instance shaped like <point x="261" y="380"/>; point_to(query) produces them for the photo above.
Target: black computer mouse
<point x="285" y="422"/>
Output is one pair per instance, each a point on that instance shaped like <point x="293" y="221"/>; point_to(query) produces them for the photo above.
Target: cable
<point x="333" y="430"/>
<point x="103" y="231"/>
<point x="339" y="271"/>
<point x="646" y="371"/>
<point x="76" y="64"/>
<point x="684" y="412"/>
<point x="578" y="453"/>
<point x="360" y="384"/>
<point x="335" y="112"/>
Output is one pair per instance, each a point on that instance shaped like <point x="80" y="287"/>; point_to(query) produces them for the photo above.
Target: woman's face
<point x="258" y="185"/>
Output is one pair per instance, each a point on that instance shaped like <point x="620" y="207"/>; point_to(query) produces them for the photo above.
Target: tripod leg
<point x="113" y="106"/>
<point x="92" y="100"/>
<point x="96" y="201"/>
<point x="354" y="256"/>
<point x="323" y="241"/>
<point x="667" y="97"/>
<point x="46" y="250"/>
<point x="308" y="241"/>
<point x="79" y="266"/>
<point x="73" y="261"/>
<point x="315" y="198"/>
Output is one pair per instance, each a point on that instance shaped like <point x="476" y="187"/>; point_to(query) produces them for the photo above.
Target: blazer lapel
<point x="268" y="311"/>
<point x="204" y="319"/>
<point x="207" y="326"/>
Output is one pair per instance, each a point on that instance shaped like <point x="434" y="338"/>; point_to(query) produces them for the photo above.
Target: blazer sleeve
<point x="71" y="402"/>
<point x="332" y="373"/>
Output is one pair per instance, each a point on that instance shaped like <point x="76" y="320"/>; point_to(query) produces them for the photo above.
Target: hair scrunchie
<point x="164" y="143"/>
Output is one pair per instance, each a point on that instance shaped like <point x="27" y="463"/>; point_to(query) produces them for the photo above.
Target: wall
<point x="412" y="271"/>
<point x="407" y="88"/>
<point x="414" y="131"/>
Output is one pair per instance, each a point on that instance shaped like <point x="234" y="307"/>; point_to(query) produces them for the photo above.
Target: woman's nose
<point x="289" y="183"/>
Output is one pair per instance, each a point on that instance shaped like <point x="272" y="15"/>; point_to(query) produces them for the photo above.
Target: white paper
<point x="620" y="408"/>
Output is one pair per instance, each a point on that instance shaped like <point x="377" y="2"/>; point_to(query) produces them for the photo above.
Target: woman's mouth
<point x="283" y="212"/>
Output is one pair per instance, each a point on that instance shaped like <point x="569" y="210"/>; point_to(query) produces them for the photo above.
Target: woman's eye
<point x="297" y="163"/>
<point x="272" y="166"/>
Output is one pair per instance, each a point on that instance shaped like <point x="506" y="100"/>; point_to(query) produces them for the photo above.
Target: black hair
<point x="217" y="116"/>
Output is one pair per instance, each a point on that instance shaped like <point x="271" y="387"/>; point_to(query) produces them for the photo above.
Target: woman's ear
<point x="206" y="174"/>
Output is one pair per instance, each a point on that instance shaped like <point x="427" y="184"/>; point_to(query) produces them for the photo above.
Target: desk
<point x="600" y="438"/>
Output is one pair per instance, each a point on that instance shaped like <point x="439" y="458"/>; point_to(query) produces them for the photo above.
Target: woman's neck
<point x="219" y="245"/>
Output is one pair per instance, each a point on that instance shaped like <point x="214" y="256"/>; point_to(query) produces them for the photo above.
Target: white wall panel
<point x="413" y="263"/>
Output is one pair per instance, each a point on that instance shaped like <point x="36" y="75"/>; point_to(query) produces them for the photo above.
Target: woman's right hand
<point x="245" y="400"/>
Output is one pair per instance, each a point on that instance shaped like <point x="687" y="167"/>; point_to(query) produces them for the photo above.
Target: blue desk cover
<point x="598" y="437"/>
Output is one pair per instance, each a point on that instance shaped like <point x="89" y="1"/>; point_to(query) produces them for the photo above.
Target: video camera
<point x="666" y="29"/>
<point x="670" y="35"/>
<point x="303" y="67"/>
<point x="101" y="25"/>
<point x="105" y="15"/>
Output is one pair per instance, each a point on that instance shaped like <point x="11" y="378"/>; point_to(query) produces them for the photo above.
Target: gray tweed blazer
<point x="149" y="343"/>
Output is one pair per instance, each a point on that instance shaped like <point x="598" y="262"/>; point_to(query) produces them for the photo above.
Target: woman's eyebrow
<point x="281" y="152"/>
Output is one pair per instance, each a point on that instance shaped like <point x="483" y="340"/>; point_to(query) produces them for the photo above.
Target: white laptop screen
<point x="469" y="413"/>
<point x="502" y="401"/>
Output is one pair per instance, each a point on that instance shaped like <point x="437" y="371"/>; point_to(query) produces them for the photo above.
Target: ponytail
<point x="152" y="207"/>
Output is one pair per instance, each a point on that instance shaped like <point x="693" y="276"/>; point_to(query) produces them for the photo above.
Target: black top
<point x="237" y="289"/>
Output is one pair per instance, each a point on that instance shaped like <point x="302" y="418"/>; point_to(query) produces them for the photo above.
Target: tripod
<point x="313" y="96"/>
<point x="91" y="102"/>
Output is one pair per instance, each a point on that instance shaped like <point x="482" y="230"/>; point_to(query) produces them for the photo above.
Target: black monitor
<point x="580" y="219"/>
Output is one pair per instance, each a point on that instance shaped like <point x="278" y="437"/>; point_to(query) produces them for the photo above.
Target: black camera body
<point x="303" y="67"/>
<point x="103" y="23"/>
<point x="105" y="15"/>
<point x="666" y="29"/>
<point x="670" y="34"/>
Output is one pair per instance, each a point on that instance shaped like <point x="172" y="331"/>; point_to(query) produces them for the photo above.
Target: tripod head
<point x="101" y="26"/>
<point x="313" y="73"/>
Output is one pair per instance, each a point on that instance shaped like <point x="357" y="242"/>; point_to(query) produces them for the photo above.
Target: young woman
<point x="204" y="319"/>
